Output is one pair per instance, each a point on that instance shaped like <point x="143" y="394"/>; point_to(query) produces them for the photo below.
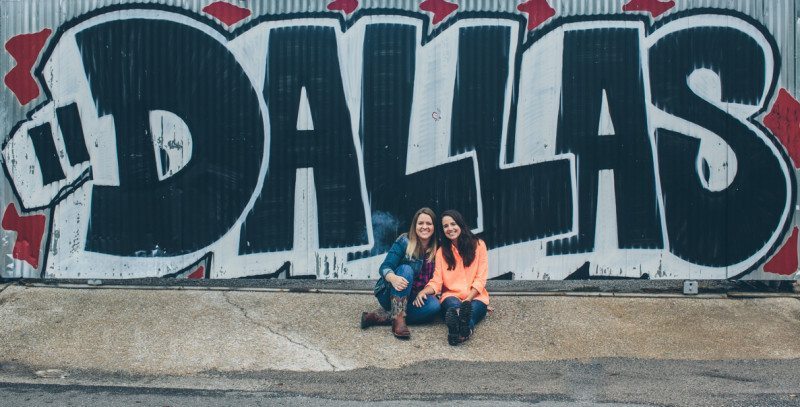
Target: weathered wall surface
<point x="582" y="139"/>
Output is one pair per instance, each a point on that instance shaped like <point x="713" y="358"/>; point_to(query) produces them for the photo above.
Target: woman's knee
<point x="450" y="302"/>
<point x="447" y="303"/>
<point x="405" y="271"/>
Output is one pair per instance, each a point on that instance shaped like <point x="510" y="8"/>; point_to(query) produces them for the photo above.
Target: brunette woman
<point x="405" y="271"/>
<point x="461" y="269"/>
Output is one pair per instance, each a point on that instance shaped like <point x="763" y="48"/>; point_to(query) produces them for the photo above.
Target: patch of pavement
<point x="189" y="332"/>
<point x="594" y="382"/>
<point x="285" y="336"/>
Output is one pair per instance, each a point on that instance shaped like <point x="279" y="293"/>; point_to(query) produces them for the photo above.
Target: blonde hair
<point x="414" y="250"/>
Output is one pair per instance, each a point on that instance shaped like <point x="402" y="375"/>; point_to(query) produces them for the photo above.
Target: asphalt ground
<point x="602" y="382"/>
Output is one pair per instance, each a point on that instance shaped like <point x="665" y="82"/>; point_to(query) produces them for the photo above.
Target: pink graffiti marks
<point x="784" y="122"/>
<point x="229" y="14"/>
<point x="654" y="7"/>
<point x="30" y="230"/>
<point x="348" y="6"/>
<point x="785" y="261"/>
<point x="440" y="9"/>
<point x="25" y="48"/>
<point x="538" y="12"/>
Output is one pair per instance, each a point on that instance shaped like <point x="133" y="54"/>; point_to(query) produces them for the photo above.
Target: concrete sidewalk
<point x="182" y="332"/>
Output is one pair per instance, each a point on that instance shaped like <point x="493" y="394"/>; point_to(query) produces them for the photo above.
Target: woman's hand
<point x="420" y="300"/>
<point x="399" y="283"/>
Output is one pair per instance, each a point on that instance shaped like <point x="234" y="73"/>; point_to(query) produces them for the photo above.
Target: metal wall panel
<point x="175" y="139"/>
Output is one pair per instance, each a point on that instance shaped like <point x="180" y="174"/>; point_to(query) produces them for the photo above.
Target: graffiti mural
<point x="224" y="143"/>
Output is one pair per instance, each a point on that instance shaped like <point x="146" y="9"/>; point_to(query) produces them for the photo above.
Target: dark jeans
<point x="478" y="309"/>
<point x="414" y="315"/>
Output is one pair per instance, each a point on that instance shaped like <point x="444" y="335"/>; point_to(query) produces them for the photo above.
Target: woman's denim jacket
<point x="395" y="258"/>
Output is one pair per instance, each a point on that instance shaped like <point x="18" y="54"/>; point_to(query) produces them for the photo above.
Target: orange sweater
<point x="461" y="280"/>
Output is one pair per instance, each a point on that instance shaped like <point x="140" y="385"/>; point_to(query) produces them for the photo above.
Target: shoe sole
<point x="453" y="329"/>
<point x="400" y="335"/>
<point x="464" y="315"/>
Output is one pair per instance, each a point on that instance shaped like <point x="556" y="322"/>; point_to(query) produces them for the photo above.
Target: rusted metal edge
<point x="370" y="292"/>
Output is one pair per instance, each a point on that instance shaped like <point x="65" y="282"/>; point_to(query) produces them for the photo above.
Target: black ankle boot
<point x="453" y="326"/>
<point x="464" y="316"/>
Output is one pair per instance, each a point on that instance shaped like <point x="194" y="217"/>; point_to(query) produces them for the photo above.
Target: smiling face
<point x="424" y="227"/>
<point x="451" y="229"/>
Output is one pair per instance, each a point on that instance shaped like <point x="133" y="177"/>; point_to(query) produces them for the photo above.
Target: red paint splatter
<point x="784" y="122"/>
<point x="348" y="6"/>
<point x="439" y="8"/>
<point x="198" y="274"/>
<point x="228" y="13"/>
<point x="654" y="7"/>
<point x="538" y="11"/>
<point x="25" y="49"/>
<point x="785" y="261"/>
<point x="29" y="234"/>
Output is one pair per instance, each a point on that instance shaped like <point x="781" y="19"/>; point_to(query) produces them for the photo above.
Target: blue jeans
<point x="478" y="309"/>
<point x="414" y="315"/>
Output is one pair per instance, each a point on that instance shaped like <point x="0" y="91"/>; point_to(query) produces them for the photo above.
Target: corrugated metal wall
<point x="310" y="131"/>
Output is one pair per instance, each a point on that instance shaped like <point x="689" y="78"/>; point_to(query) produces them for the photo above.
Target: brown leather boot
<point x="399" y="327"/>
<point x="376" y="317"/>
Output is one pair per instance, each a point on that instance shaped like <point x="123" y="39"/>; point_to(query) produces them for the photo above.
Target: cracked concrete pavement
<point x="257" y="322"/>
<point x="184" y="332"/>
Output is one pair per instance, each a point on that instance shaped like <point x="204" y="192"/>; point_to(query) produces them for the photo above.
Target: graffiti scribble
<point x="229" y="14"/>
<point x="198" y="274"/>
<point x="654" y="7"/>
<point x="785" y="261"/>
<point x="25" y="48"/>
<point x="348" y="6"/>
<point x="784" y="122"/>
<point x="29" y="234"/>
<point x="440" y="9"/>
<point x="538" y="12"/>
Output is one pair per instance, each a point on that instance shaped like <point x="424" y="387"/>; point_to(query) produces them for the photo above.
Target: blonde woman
<point x="404" y="272"/>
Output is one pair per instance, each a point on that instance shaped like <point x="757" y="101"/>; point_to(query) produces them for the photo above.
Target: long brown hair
<point x="414" y="249"/>
<point x="465" y="243"/>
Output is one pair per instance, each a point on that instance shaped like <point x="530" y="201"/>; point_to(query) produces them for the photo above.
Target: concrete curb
<point x="494" y="286"/>
<point x="716" y="291"/>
